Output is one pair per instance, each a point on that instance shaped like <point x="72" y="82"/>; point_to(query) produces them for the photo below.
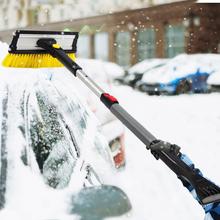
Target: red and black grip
<point x="108" y="100"/>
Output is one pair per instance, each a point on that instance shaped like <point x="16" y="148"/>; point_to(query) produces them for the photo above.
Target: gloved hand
<point x="212" y="210"/>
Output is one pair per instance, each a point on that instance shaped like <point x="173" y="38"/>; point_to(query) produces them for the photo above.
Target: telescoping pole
<point x="113" y="105"/>
<point x="207" y="192"/>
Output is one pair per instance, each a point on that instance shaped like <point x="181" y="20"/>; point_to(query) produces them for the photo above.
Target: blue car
<point x="182" y="74"/>
<point x="194" y="82"/>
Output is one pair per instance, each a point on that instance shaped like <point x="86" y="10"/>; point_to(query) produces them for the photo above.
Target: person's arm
<point x="212" y="210"/>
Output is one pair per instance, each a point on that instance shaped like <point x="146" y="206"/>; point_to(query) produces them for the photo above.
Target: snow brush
<point x="29" y="48"/>
<point x="24" y="53"/>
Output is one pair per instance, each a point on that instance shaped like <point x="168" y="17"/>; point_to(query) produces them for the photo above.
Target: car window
<point x="51" y="137"/>
<point x="66" y="128"/>
<point x="154" y="67"/>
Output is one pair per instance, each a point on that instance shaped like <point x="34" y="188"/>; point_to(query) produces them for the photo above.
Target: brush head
<point x="25" y="53"/>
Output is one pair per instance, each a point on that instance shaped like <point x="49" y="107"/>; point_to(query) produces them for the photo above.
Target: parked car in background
<point x="120" y="79"/>
<point x="104" y="73"/>
<point x="112" y="71"/>
<point x="214" y="81"/>
<point x="182" y="74"/>
<point x="139" y="84"/>
<point x="135" y="73"/>
<point x="146" y="65"/>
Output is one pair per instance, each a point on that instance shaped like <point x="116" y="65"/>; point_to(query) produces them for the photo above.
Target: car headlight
<point x="170" y="87"/>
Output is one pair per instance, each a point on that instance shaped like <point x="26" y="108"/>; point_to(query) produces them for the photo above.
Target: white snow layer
<point x="27" y="195"/>
<point x="191" y="121"/>
<point x="214" y="79"/>
<point x="145" y="65"/>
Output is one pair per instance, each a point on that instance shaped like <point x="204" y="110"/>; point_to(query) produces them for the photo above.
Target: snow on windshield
<point x="50" y="136"/>
<point x="146" y="65"/>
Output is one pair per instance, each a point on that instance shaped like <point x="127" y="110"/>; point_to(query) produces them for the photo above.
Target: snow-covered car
<point x="214" y="81"/>
<point x="135" y="73"/>
<point x="182" y="74"/>
<point x="104" y="73"/>
<point x="154" y="65"/>
<point x="131" y="79"/>
<point x="49" y="140"/>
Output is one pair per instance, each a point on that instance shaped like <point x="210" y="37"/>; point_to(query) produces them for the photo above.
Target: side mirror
<point x="99" y="202"/>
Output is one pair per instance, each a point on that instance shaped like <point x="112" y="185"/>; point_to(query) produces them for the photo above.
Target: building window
<point x="101" y="46"/>
<point x="83" y="46"/>
<point x="32" y="16"/>
<point x="123" y="48"/>
<point x="146" y="44"/>
<point x="174" y="40"/>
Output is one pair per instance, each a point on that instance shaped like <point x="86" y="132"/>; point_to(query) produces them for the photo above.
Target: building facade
<point x="161" y="31"/>
<point x="21" y="13"/>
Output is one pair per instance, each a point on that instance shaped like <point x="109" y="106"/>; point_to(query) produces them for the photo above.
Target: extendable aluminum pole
<point x="170" y="154"/>
<point x="112" y="103"/>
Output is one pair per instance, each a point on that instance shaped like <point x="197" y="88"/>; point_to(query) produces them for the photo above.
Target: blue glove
<point x="212" y="210"/>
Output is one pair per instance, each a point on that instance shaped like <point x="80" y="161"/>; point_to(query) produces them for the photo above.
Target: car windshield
<point x="154" y="74"/>
<point x="146" y="65"/>
<point x="154" y="67"/>
<point x="43" y="115"/>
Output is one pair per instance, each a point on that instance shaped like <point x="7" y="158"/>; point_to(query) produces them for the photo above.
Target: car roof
<point x="145" y="65"/>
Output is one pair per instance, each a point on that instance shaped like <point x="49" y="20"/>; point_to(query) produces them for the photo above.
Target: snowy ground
<point x="192" y="122"/>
